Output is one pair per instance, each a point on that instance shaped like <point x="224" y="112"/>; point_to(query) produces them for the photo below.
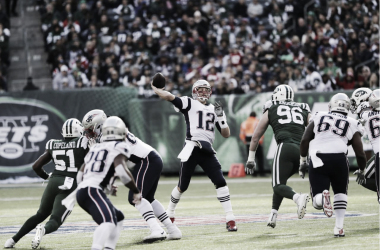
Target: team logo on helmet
<point x="89" y="118"/>
<point x="360" y="93"/>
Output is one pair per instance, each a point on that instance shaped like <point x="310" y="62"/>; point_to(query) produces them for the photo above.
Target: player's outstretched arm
<point x="163" y="94"/>
<point x="44" y="159"/>
<point x="308" y="135"/>
<point x="357" y="146"/>
<point x="126" y="177"/>
<point x="222" y="120"/>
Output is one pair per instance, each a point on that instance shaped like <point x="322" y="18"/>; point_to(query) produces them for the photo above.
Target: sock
<point x="101" y="235"/>
<point x="174" y="199"/>
<point x="295" y="197"/>
<point x="317" y="201"/>
<point x="284" y="191"/>
<point x="274" y="211"/>
<point x="276" y="201"/>
<point x="146" y="211"/>
<point x="340" y="206"/>
<point x="223" y="195"/>
<point x="29" y="225"/>
<point x="112" y="239"/>
<point x="160" y="213"/>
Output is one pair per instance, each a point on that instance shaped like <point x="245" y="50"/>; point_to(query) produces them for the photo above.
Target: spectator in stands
<point x="348" y="82"/>
<point x="3" y="83"/>
<point x="11" y="6"/>
<point x="63" y="80"/>
<point x="255" y="10"/>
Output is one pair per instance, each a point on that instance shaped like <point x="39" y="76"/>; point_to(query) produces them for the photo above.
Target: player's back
<point x="138" y="149"/>
<point x="333" y="131"/>
<point x="372" y="127"/>
<point x="288" y="120"/>
<point x="99" y="160"/>
<point x="68" y="155"/>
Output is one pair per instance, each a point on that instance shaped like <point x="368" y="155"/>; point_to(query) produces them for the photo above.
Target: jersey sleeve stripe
<point x="79" y="144"/>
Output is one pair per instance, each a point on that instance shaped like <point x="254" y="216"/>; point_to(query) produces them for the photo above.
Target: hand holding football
<point x="159" y="81"/>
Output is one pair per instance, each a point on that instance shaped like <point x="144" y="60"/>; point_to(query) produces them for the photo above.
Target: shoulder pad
<point x="267" y="106"/>
<point x="306" y="107"/>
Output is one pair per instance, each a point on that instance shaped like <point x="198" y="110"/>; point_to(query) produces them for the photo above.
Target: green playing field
<point x="201" y="218"/>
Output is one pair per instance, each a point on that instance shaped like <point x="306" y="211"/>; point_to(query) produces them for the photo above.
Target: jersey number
<point x="60" y="164"/>
<point x="99" y="160"/>
<point x="375" y="130"/>
<point x="209" y="123"/>
<point x="292" y="115"/>
<point x="340" y="126"/>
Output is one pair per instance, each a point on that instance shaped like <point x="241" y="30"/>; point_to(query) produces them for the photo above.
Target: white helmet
<point x="92" y="123"/>
<point x="374" y="100"/>
<point x="340" y="103"/>
<point x="203" y="95"/>
<point x="358" y="96"/>
<point x="72" y="128"/>
<point x="283" y="92"/>
<point x="114" y="129"/>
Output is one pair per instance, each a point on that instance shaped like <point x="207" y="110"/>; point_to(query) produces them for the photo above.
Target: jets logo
<point x="360" y="93"/>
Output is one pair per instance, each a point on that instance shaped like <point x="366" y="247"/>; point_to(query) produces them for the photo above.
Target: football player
<point x="101" y="163"/>
<point x="288" y="120"/>
<point x="146" y="172"/>
<point x="366" y="104"/>
<point x="68" y="156"/>
<point x="201" y="119"/>
<point x="326" y="139"/>
<point x="359" y="104"/>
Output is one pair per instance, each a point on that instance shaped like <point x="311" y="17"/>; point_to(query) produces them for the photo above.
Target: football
<point x="159" y="81"/>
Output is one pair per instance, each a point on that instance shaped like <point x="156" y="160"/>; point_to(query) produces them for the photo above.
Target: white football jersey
<point x="138" y="149"/>
<point x="200" y="119"/>
<point x="333" y="131"/>
<point x="372" y="127"/>
<point x="99" y="163"/>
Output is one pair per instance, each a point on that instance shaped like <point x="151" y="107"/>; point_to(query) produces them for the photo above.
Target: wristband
<point x="222" y="120"/>
<point x="303" y="159"/>
<point x="251" y="155"/>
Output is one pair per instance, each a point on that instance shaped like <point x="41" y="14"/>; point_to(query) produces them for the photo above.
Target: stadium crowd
<point x="238" y="46"/>
<point x="4" y="51"/>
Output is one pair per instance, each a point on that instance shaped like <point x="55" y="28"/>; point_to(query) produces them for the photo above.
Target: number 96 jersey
<point x="372" y="127"/>
<point x="332" y="132"/>
<point x="99" y="163"/>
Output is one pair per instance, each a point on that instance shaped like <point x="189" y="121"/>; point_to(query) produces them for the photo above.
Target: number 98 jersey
<point x="288" y="120"/>
<point x="372" y="127"/>
<point x="99" y="163"/>
<point x="333" y="131"/>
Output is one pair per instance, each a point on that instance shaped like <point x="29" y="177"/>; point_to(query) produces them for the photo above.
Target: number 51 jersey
<point x="99" y="163"/>
<point x="333" y="131"/>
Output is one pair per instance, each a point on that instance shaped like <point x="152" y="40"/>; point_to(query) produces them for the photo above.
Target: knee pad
<point x="317" y="201"/>
<point x="340" y="201"/>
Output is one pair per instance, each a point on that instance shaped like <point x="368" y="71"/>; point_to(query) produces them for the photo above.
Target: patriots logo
<point x="89" y="119"/>
<point x="360" y="93"/>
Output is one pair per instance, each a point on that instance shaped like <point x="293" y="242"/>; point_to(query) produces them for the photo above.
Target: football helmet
<point x="340" y="103"/>
<point x="72" y="128"/>
<point x="92" y="123"/>
<point x="113" y="129"/>
<point x="358" y="96"/>
<point x="283" y="92"/>
<point x="374" y="100"/>
<point x="201" y="90"/>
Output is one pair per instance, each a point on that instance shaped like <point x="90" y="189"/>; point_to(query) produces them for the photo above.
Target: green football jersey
<point x="68" y="155"/>
<point x="288" y="120"/>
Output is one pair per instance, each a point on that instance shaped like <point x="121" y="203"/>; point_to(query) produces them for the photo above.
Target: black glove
<point x="360" y="179"/>
<point x="302" y="169"/>
<point x="250" y="167"/>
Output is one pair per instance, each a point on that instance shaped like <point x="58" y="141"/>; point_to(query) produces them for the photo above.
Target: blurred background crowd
<point x="238" y="46"/>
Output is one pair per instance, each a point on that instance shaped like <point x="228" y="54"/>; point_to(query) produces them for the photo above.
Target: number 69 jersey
<point x="99" y="163"/>
<point x="288" y="120"/>
<point x="372" y="127"/>
<point x="332" y="132"/>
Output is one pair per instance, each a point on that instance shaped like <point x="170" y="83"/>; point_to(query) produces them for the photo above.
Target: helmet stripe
<point x="287" y="95"/>
<point x="71" y="127"/>
<point x="67" y="126"/>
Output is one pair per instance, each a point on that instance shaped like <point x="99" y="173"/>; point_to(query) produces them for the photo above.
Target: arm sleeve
<point x="218" y="127"/>
<point x="181" y="103"/>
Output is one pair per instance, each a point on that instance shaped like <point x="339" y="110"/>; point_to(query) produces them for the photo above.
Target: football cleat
<point x="40" y="231"/>
<point x="171" y="214"/>
<point x="231" y="226"/>
<point x="10" y="243"/>
<point x="301" y="204"/>
<point x="338" y="232"/>
<point x="327" y="207"/>
<point x="155" y="236"/>
<point x="174" y="234"/>
<point x="272" y="220"/>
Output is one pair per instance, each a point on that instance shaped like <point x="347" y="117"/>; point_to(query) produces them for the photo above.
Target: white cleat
<point x="10" y="243"/>
<point x="327" y="207"/>
<point x="338" y="232"/>
<point x="175" y="234"/>
<point x="40" y="231"/>
<point x="154" y="236"/>
<point x="272" y="220"/>
<point x="301" y="204"/>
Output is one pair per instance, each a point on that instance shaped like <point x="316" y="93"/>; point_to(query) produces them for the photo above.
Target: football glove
<point x="137" y="198"/>
<point x="360" y="179"/>
<point x="303" y="167"/>
<point x="91" y="142"/>
<point x="218" y="109"/>
<point x="250" y="167"/>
